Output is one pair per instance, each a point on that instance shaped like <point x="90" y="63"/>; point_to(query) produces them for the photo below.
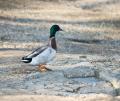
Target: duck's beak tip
<point x="61" y="29"/>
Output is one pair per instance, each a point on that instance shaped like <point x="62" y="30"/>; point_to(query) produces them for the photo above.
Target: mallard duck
<point x="45" y="54"/>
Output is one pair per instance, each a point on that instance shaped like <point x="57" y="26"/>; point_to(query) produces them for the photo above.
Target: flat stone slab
<point x="79" y="72"/>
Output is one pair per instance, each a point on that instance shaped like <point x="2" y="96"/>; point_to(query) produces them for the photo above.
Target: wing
<point x="37" y="52"/>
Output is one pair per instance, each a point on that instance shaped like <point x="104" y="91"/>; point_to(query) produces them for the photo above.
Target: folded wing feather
<point x="37" y="52"/>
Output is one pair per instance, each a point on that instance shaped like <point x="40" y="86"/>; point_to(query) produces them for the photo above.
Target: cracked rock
<point x="99" y="87"/>
<point x="111" y="77"/>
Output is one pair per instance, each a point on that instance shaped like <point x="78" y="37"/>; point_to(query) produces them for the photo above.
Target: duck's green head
<point x="54" y="29"/>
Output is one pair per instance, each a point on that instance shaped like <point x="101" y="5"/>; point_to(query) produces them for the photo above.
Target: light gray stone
<point x="79" y="72"/>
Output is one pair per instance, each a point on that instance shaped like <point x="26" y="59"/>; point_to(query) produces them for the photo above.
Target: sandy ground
<point x="88" y="58"/>
<point x="90" y="97"/>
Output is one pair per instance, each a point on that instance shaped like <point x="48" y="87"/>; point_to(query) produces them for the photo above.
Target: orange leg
<point x="42" y="68"/>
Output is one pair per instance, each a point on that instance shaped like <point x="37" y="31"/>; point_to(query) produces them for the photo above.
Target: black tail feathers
<point x="26" y="60"/>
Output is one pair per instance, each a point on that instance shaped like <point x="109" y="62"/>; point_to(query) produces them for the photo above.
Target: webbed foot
<point x="42" y="68"/>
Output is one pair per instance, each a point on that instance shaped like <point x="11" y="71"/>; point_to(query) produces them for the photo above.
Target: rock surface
<point x="73" y="79"/>
<point x="79" y="72"/>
